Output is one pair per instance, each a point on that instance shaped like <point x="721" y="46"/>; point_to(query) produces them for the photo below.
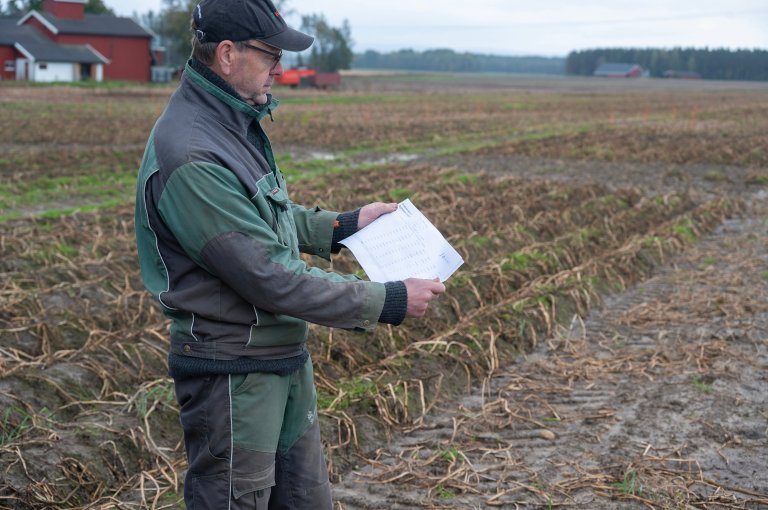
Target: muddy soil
<point x="657" y="399"/>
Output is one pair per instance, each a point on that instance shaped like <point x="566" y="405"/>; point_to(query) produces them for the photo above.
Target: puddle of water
<point x="324" y="156"/>
<point x="394" y="158"/>
<point x="397" y="157"/>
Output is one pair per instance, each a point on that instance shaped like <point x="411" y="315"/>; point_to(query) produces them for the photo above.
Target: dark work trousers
<point x="253" y="442"/>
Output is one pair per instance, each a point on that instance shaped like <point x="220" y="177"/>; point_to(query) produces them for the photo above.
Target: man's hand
<point x="370" y="212"/>
<point x="420" y="293"/>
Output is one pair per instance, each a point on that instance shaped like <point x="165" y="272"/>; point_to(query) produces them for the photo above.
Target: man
<point x="219" y="243"/>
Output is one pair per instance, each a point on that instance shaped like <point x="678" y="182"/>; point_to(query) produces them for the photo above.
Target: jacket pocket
<point x="284" y="225"/>
<point x="269" y="199"/>
<point x="278" y="196"/>
<point x="274" y="207"/>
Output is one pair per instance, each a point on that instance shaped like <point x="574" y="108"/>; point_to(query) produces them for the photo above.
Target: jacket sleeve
<point x="218" y="226"/>
<point x="314" y="229"/>
<point x="314" y="226"/>
<point x="345" y="225"/>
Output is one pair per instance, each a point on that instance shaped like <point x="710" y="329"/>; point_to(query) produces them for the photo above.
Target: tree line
<point x="451" y="61"/>
<point x="713" y="64"/>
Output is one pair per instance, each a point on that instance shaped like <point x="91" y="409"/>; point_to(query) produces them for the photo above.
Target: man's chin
<point x="260" y="99"/>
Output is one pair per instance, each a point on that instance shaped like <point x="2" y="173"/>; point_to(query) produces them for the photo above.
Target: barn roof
<point x="8" y="31"/>
<point x="32" y="43"/>
<point x="91" y="24"/>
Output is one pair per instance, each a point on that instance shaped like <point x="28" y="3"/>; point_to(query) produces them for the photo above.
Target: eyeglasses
<point x="275" y="56"/>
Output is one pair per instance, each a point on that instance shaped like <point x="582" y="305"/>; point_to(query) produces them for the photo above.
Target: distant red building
<point x="63" y="43"/>
<point x="619" y="71"/>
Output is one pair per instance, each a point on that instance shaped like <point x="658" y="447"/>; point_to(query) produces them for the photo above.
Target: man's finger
<point x="383" y="208"/>
<point x="437" y="288"/>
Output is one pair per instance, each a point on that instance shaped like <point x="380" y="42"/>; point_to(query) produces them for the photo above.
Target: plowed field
<point x="604" y="346"/>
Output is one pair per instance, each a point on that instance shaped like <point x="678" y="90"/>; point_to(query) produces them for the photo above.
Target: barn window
<point x="10" y="66"/>
<point x="42" y="67"/>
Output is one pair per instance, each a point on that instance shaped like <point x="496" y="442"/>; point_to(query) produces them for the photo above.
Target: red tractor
<point x="300" y="76"/>
<point x="292" y="77"/>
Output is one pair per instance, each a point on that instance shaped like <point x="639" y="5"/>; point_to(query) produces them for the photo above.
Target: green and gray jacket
<point x="219" y="241"/>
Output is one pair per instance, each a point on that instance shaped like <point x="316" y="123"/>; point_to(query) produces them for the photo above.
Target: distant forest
<point x="713" y="64"/>
<point x="449" y="60"/>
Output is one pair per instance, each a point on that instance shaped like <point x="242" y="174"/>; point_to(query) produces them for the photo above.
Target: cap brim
<point x="290" y="40"/>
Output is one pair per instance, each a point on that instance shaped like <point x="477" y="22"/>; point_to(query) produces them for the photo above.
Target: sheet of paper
<point x="403" y="244"/>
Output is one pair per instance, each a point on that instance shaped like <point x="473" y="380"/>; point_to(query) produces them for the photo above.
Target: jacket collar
<point x="205" y="78"/>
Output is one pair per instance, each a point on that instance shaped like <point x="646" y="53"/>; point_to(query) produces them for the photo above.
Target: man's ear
<point x="226" y="54"/>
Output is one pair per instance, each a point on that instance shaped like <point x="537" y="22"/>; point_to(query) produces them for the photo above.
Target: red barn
<point x="63" y="43"/>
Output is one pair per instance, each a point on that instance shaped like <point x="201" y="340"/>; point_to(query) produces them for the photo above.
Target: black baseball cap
<point x="240" y="20"/>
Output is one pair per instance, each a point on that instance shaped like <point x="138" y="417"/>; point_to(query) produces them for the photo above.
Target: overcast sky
<point x="527" y="27"/>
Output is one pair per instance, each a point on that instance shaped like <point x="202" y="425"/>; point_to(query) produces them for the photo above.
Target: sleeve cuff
<point x="395" y="303"/>
<point x="346" y="227"/>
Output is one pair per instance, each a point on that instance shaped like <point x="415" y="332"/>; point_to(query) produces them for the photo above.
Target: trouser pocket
<point x="252" y="491"/>
<point x="246" y="483"/>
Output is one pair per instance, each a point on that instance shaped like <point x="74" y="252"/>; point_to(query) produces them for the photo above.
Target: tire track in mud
<point x="657" y="400"/>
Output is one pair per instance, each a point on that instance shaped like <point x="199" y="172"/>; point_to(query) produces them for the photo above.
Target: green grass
<point x="162" y="393"/>
<point x="683" y="229"/>
<point x="451" y="454"/>
<point x="630" y="485"/>
<point x="613" y="201"/>
<point x="108" y="188"/>
<point x="519" y="261"/>
<point x="444" y="492"/>
<point x="353" y="390"/>
<point x="48" y="252"/>
<point x="757" y="180"/>
<point x="519" y="105"/>
<point x="400" y="194"/>
<point x="440" y="146"/>
<point x="105" y="185"/>
<point x="461" y="179"/>
<point x="64" y="211"/>
<point x="476" y="242"/>
<point x="587" y="234"/>
<point x="295" y="170"/>
<point x="702" y="386"/>
<point x="14" y="423"/>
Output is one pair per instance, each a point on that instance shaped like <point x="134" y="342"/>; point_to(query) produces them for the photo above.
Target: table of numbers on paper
<point x="403" y="244"/>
